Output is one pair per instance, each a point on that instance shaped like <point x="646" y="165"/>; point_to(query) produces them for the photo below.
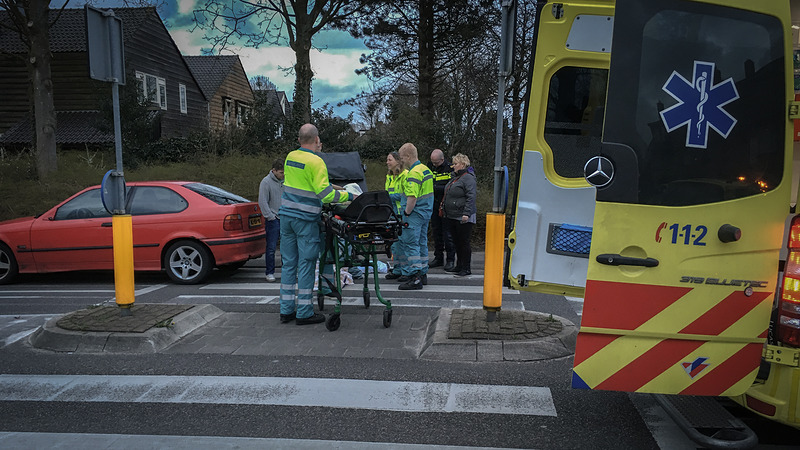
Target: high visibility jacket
<point x="394" y="186"/>
<point x="441" y="176"/>
<point x="306" y="186"/>
<point x="419" y="184"/>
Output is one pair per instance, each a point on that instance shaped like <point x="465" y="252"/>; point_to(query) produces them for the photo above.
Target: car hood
<point x="16" y="224"/>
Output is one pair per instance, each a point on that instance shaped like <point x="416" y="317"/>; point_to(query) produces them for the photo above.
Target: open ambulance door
<point x="554" y="205"/>
<point x="693" y="188"/>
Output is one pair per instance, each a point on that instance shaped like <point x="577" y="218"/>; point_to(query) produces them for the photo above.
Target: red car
<point x="182" y="227"/>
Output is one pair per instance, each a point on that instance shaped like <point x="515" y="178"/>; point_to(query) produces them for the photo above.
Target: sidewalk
<point x="451" y="335"/>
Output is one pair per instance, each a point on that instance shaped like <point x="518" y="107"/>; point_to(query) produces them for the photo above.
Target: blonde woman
<point x="459" y="209"/>
<point x="394" y="186"/>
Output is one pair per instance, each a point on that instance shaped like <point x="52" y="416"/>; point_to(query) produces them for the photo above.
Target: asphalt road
<point x="327" y="414"/>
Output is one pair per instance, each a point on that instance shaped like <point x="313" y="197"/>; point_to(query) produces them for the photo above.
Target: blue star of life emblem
<point x="699" y="104"/>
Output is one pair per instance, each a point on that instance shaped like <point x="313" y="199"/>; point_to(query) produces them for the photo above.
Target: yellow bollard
<point x="493" y="265"/>
<point x="123" y="259"/>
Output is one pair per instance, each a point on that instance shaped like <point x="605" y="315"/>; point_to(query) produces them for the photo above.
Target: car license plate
<point x="255" y="221"/>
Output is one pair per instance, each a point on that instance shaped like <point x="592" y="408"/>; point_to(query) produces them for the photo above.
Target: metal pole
<point x="495" y="221"/>
<point x="118" y="145"/>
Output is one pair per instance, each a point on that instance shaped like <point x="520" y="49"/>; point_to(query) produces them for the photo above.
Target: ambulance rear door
<point x="554" y="205"/>
<point x="693" y="187"/>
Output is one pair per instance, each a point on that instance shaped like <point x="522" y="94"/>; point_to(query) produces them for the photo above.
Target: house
<point x="224" y="83"/>
<point x="278" y="107"/>
<point x="152" y="61"/>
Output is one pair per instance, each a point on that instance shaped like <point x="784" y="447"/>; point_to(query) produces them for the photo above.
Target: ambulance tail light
<point x="232" y="222"/>
<point x="788" y="325"/>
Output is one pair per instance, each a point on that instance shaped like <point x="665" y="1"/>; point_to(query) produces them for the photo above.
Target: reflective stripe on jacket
<point x="306" y="186"/>
<point x="419" y="184"/>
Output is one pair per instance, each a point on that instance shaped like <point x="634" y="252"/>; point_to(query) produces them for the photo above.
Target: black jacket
<point x="441" y="176"/>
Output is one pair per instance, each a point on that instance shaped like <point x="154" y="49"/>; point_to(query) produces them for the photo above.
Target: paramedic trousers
<point x="300" y="247"/>
<point x="414" y="246"/>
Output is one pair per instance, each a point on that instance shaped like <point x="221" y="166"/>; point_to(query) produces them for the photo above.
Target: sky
<point x="334" y="60"/>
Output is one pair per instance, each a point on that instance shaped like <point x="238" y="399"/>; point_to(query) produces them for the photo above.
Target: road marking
<point x="322" y="392"/>
<point x="271" y="287"/>
<point x="350" y="301"/>
<point x="149" y="289"/>
<point x="16" y="439"/>
<point x="17" y="336"/>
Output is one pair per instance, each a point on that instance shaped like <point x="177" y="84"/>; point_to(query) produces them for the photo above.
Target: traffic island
<point x="148" y="328"/>
<point x="465" y="335"/>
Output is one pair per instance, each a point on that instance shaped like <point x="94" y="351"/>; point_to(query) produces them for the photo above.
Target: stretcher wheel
<point x="366" y="299"/>
<point x="321" y="300"/>
<point x="333" y="322"/>
<point x="387" y="318"/>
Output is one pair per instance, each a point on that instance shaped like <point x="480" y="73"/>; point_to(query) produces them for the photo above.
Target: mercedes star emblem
<point x="598" y="171"/>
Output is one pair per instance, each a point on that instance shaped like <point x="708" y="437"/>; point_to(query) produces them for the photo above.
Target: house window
<point x="227" y="107"/>
<point x="182" y="91"/>
<point x="242" y="113"/>
<point x="152" y="89"/>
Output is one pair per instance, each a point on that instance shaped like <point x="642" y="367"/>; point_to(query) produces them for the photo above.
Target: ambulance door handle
<point x="619" y="260"/>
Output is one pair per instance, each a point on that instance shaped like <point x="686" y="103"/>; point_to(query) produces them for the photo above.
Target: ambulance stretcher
<point x="354" y="236"/>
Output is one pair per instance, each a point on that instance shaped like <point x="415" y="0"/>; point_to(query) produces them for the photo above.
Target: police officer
<point x="442" y="239"/>
<point x="418" y="187"/>
<point x="306" y="188"/>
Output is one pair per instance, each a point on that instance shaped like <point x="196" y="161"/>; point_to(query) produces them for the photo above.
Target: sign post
<point x="107" y="63"/>
<point x="496" y="220"/>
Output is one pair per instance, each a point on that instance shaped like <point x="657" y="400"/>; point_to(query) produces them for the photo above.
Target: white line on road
<point x="350" y="301"/>
<point x="149" y="289"/>
<point x="16" y="439"/>
<point x="322" y="392"/>
<point x="17" y="336"/>
<point x="271" y="287"/>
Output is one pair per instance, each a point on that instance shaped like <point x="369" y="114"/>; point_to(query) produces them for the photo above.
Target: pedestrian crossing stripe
<point x="638" y="338"/>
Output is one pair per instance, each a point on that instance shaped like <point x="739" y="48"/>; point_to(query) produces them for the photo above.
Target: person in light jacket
<point x="459" y="209"/>
<point x="269" y="200"/>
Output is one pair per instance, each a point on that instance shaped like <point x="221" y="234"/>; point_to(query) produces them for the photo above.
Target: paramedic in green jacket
<point x="306" y="188"/>
<point x="418" y="188"/>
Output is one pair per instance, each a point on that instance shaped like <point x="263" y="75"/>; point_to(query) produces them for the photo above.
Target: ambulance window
<point x="700" y="101"/>
<point x="574" y="120"/>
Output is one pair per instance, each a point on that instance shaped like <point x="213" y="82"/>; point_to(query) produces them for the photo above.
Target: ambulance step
<point x="707" y="422"/>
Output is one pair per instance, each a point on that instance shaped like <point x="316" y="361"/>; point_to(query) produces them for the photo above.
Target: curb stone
<point x="51" y="337"/>
<point x="441" y="348"/>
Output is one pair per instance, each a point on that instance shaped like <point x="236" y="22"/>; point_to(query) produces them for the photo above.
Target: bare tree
<point x="31" y="21"/>
<point x="277" y="22"/>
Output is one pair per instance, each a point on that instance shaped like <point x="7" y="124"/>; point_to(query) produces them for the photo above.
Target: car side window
<point x="85" y="206"/>
<point x="156" y="200"/>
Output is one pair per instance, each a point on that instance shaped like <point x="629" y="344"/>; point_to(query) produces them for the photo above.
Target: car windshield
<point x="215" y="194"/>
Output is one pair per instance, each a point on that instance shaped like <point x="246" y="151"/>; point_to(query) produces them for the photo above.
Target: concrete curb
<point x="440" y="348"/>
<point x="51" y="337"/>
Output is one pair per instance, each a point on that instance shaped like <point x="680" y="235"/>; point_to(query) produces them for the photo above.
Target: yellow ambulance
<point x="654" y="180"/>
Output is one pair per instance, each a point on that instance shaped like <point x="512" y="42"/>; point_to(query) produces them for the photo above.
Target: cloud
<point x="186" y="6"/>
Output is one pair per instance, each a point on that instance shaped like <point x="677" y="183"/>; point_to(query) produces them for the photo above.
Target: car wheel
<point x="187" y="262"/>
<point x="8" y="265"/>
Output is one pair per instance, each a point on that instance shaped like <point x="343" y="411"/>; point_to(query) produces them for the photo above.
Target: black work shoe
<point x="424" y="279"/>
<point x="463" y="273"/>
<point x="404" y="278"/>
<point x="316" y="318"/>
<point x="286" y="318"/>
<point x="435" y="263"/>
<point x="450" y="267"/>
<point x="392" y="276"/>
<point x="414" y="283"/>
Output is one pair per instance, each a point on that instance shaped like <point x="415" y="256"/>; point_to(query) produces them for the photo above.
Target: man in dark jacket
<point x="442" y="239"/>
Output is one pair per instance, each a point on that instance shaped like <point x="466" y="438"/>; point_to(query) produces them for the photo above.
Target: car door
<point x="155" y="211"/>
<point x="74" y="236"/>
<point x="695" y="176"/>
<point x="554" y="205"/>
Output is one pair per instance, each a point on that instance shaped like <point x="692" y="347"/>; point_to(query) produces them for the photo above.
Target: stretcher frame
<point x="346" y="241"/>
